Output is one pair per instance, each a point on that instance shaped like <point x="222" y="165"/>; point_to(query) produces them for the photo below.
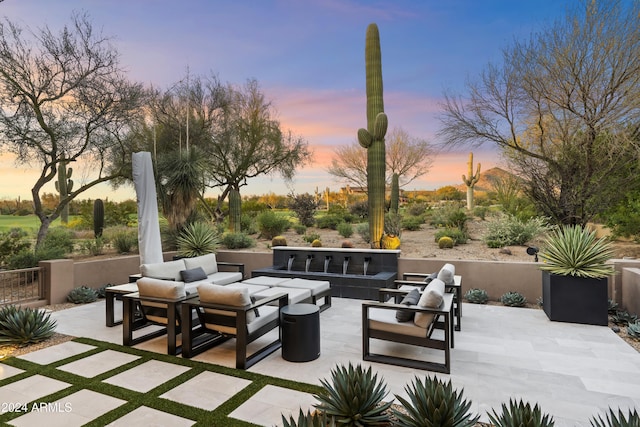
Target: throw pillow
<point x="430" y="277"/>
<point x="446" y="274"/>
<point x="411" y="298"/>
<point x="218" y="294"/>
<point x="207" y="262"/>
<point x="431" y="298"/>
<point x="193" y="275"/>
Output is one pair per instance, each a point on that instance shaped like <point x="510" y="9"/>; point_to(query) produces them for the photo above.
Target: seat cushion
<point x="446" y="274"/>
<point x="193" y="275"/>
<point x="169" y="270"/>
<point x="432" y="297"/>
<point x="315" y="286"/>
<point x="385" y="320"/>
<point x="224" y="277"/>
<point x="410" y="298"/>
<point x="208" y="263"/>
<point x="266" y="280"/>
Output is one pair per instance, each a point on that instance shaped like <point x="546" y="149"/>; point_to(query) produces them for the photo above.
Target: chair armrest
<point x="390" y="292"/>
<point x="238" y="265"/>
<point x="397" y="283"/>
<point x="136" y="297"/>
<point x="406" y="276"/>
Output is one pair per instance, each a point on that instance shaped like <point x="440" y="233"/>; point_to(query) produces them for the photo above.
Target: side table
<point x="300" y="332"/>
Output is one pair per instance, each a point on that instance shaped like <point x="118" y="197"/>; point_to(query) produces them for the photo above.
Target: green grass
<point x="29" y="223"/>
<point x="152" y="399"/>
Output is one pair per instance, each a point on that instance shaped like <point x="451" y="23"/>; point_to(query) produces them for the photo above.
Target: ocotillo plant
<point x="471" y="181"/>
<point x="98" y="218"/>
<point x="235" y="211"/>
<point x="394" y="204"/>
<point x="64" y="186"/>
<point x="372" y="138"/>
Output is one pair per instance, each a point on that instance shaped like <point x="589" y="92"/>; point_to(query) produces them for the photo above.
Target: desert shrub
<point x="271" y="224"/>
<point x="82" y="295"/>
<point x="508" y="230"/>
<point x="360" y="209"/>
<point x="300" y="229"/>
<point x="450" y="216"/>
<point x="411" y="223"/>
<point x="24" y="326"/>
<point x="330" y="221"/>
<point x="417" y="209"/>
<point x="480" y="212"/>
<point x="459" y="237"/>
<point x="363" y="231"/>
<point x="310" y="237"/>
<point x="125" y="241"/>
<point x="12" y="242"/>
<point x="93" y="246"/>
<point x="345" y="229"/>
<point x="237" y="241"/>
<point x="60" y="240"/>
<point x="304" y="206"/>
<point x="248" y="224"/>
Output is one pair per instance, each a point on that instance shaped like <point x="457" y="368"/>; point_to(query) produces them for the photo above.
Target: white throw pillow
<point x="432" y="297"/>
<point x="163" y="270"/>
<point x="207" y="262"/>
<point x="446" y="274"/>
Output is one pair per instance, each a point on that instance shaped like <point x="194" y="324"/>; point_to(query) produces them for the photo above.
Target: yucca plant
<point x="354" y="397"/>
<point x="612" y="420"/>
<point x="633" y="330"/>
<point x="433" y="403"/>
<point x="309" y="419"/>
<point x="24" y="326"/>
<point x="575" y="251"/>
<point x="197" y="238"/>
<point x="82" y="295"/>
<point x="476" y="296"/>
<point x="513" y="299"/>
<point x="520" y="414"/>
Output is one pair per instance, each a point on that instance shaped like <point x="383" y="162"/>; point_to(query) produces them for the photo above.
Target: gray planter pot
<point x="575" y="299"/>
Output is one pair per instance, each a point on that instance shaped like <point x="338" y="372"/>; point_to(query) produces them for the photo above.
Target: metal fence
<point x="20" y="286"/>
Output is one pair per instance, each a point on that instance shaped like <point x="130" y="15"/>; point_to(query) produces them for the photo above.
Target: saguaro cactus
<point x="235" y="211"/>
<point x="64" y="186"/>
<point x="471" y="181"/>
<point x="394" y="204"/>
<point x="98" y="218"/>
<point x="372" y="138"/>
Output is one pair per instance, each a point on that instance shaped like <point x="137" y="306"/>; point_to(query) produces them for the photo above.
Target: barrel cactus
<point x="279" y="241"/>
<point x="317" y="243"/>
<point x="445" y="242"/>
<point x="372" y="138"/>
<point x="98" y="218"/>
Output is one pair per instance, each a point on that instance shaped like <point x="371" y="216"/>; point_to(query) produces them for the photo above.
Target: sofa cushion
<point x="193" y="275"/>
<point x="446" y="274"/>
<point x="158" y="288"/>
<point x="169" y="270"/>
<point x="224" y="277"/>
<point x="216" y="294"/>
<point x="432" y="297"/>
<point x="410" y="298"/>
<point x="207" y="262"/>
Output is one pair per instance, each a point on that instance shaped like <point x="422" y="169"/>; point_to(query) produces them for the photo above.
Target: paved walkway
<point x="572" y="371"/>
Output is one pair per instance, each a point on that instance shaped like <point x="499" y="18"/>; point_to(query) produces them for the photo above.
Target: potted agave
<point x="575" y="276"/>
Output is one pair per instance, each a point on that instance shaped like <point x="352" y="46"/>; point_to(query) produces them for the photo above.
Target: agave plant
<point x="308" y="420"/>
<point x="613" y="306"/>
<point x="574" y="251"/>
<point x="522" y="415"/>
<point x="619" y="420"/>
<point x="623" y="318"/>
<point x="82" y="295"/>
<point x="24" y="326"/>
<point x="513" y="299"/>
<point x="433" y="403"/>
<point x="197" y="238"/>
<point x="354" y="397"/>
<point x="633" y="330"/>
<point x="476" y="296"/>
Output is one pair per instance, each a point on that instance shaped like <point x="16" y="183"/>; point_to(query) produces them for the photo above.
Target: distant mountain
<point x="485" y="183"/>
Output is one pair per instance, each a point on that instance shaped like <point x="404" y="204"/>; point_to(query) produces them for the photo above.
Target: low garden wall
<point x="495" y="277"/>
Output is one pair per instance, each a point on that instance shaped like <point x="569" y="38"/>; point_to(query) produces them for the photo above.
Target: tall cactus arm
<point x="364" y="138"/>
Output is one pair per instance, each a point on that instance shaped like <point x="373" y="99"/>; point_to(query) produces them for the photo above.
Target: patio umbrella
<point x="149" y="243"/>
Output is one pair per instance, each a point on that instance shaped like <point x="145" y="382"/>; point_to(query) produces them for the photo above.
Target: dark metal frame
<point x="198" y="338"/>
<point x="443" y="319"/>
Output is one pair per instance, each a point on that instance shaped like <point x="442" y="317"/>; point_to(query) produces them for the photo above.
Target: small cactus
<point x="471" y="181"/>
<point x="346" y="244"/>
<point x="98" y="218"/>
<point x="394" y="204"/>
<point x="445" y="242"/>
<point x="513" y="299"/>
<point x="316" y="243"/>
<point x="476" y="296"/>
<point x="64" y="186"/>
<point x="235" y="211"/>
<point x="279" y="241"/>
<point x="520" y="414"/>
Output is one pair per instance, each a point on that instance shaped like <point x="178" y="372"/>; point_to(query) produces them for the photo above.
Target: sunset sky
<point x="308" y="56"/>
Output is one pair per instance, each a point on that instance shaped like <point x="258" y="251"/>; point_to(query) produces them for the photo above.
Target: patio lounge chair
<point x="225" y="313"/>
<point x="432" y="312"/>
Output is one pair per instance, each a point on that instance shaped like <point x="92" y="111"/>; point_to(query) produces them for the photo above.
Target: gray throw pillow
<point x="193" y="275"/>
<point x="411" y="298"/>
<point x="430" y="277"/>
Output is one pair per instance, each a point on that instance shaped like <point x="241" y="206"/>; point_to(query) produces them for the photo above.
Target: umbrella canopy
<point x="149" y="242"/>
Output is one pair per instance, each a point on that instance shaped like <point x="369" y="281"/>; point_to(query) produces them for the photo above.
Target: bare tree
<point x="564" y="107"/>
<point x="407" y="156"/>
<point x="63" y="98"/>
